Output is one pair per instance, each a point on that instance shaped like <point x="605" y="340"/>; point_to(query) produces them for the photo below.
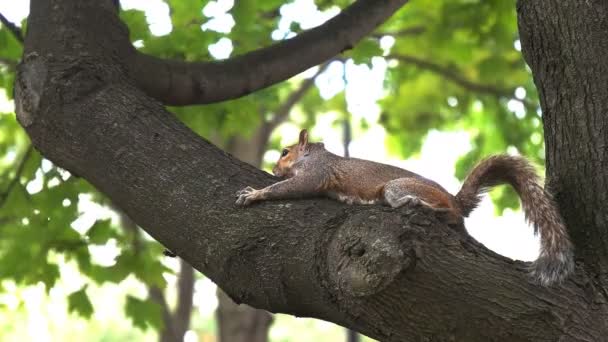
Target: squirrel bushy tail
<point x="555" y="261"/>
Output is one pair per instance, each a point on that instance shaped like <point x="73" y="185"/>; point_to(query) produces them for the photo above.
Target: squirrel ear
<point x="303" y="138"/>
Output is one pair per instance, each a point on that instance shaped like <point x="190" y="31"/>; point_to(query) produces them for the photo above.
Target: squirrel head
<point x="292" y="154"/>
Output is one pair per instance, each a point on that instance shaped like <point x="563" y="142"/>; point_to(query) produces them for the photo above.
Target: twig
<point x="283" y="111"/>
<point x="410" y="31"/>
<point x="457" y="78"/>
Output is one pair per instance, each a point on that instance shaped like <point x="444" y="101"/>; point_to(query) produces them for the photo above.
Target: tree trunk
<point x="177" y="322"/>
<point x="394" y="275"/>
<point x="241" y="323"/>
<point x="565" y="43"/>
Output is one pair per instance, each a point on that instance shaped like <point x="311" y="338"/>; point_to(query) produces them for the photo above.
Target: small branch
<point x="185" y="83"/>
<point x="157" y="295"/>
<point x="185" y="293"/>
<point x="18" y="173"/>
<point x="67" y="245"/>
<point x="257" y="143"/>
<point x="454" y="76"/>
<point x="16" y="31"/>
<point x="283" y="111"/>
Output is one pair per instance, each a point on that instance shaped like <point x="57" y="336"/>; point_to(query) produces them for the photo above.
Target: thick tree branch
<point x="16" y="31"/>
<point x="457" y="78"/>
<point x="185" y="83"/>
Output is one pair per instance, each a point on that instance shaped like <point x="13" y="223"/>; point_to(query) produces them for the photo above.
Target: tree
<point x="83" y="106"/>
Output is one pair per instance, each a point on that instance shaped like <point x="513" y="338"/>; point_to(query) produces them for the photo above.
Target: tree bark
<point x="394" y="275"/>
<point x="566" y="44"/>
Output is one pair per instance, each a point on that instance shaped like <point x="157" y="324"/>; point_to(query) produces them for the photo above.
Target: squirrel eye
<point x="284" y="153"/>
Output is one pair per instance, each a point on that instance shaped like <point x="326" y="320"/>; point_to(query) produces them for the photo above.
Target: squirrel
<point x="310" y="170"/>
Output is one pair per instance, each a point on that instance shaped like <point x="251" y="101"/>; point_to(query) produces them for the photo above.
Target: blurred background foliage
<point x="443" y="65"/>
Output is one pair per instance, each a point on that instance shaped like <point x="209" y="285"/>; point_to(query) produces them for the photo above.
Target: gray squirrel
<point x="310" y="170"/>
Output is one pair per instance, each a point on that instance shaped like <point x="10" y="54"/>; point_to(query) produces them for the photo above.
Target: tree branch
<point x="282" y="113"/>
<point x="185" y="83"/>
<point x="16" y="31"/>
<point x="456" y="77"/>
<point x="257" y="143"/>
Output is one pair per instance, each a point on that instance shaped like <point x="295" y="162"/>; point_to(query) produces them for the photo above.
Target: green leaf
<point x="136" y="21"/>
<point x="144" y="313"/>
<point x="31" y="165"/>
<point x="49" y="273"/>
<point x="79" y="303"/>
<point x="102" y="274"/>
<point x="17" y="203"/>
<point x="364" y="51"/>
<point x="101" y="232"/>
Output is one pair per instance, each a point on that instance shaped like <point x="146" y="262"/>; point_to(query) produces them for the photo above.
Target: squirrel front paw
<point x="246" y="196"/>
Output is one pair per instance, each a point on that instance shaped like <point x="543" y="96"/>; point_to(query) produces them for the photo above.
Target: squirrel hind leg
<point x="410" y="191"/>
<point x="397" y="202"/>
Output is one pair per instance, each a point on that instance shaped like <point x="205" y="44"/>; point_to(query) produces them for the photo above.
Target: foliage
<point x="460" y="72"/>
<point x="79" y="302"/>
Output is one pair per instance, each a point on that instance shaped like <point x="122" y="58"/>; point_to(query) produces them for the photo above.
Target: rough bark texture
<point x="566" y="44"/>
<point x="395" y="275"/>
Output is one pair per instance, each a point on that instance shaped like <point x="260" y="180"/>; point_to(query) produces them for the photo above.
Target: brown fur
<point x="310" y="170"/>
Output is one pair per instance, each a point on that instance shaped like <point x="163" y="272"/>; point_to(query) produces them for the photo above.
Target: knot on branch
<point x="366" y="254"/>
<point x="29" y="84"/>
